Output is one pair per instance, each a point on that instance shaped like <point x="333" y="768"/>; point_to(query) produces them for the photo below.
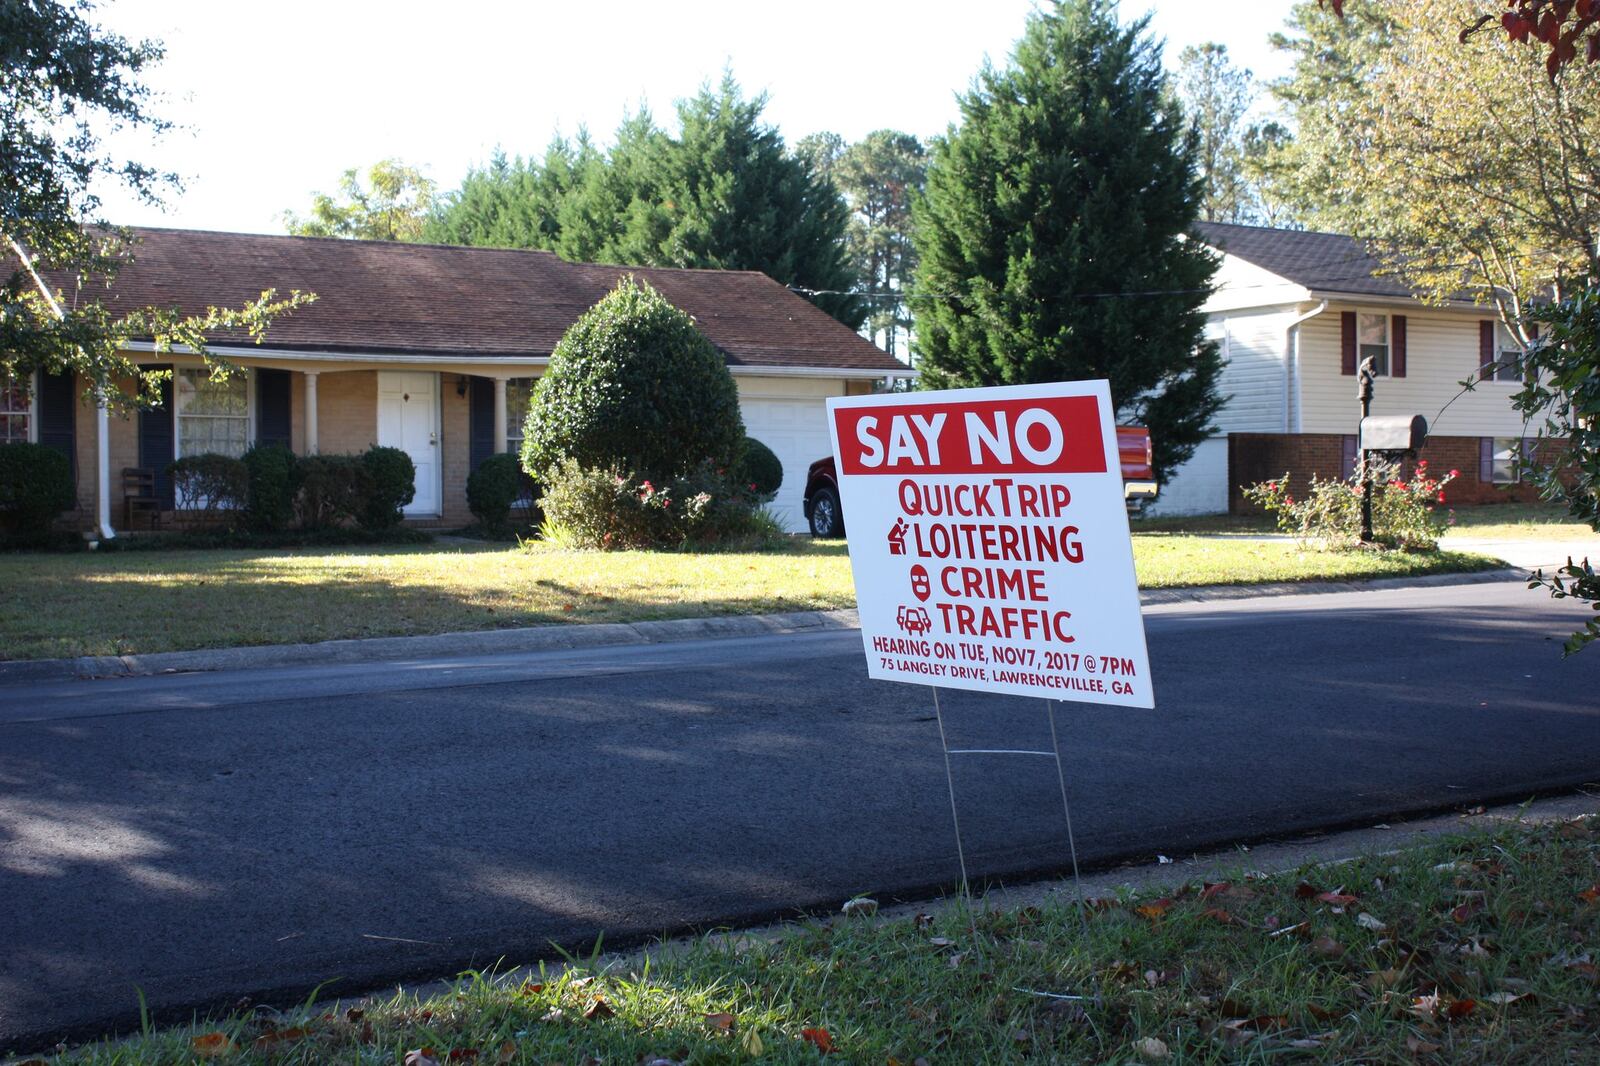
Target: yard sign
<point x="990" y="543"/>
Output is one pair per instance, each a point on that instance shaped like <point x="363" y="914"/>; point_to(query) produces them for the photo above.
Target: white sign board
<point x="990" y="543"/>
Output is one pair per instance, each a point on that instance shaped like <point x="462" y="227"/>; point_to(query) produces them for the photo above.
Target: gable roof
<point x="388" y="298"/>
<point x="1333" y="263"/>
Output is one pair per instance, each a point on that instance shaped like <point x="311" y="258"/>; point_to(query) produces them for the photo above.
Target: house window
<point x="213" y="416"/>
<point x="1506" y="460"/>
<point x="1508" y="355"/>
<point x="519" y="393"/>
<point x="16" y="410"/>
<point x="1372" y="339"/>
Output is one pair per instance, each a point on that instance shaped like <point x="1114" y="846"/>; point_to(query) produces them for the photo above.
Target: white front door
<point x="408" y="419"/>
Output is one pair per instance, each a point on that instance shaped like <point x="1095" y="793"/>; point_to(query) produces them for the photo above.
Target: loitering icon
<point x="897" y="537"/>
<point x="921" y="588"/>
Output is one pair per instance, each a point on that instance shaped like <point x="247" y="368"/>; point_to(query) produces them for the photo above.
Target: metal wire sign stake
<point x="991" y="551"/>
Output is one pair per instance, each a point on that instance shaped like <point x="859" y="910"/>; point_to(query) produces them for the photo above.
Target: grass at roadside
<point x="1476" y="949"/>
<point x="141" y="602"/>
<point x="1499" y="521"/>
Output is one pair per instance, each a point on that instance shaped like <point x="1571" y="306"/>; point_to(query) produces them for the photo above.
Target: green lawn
<point x="139" y="602"/>
<point x="1475" y="950"/>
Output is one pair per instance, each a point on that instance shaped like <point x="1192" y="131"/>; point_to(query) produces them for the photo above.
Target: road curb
<point x="569" y="637"/>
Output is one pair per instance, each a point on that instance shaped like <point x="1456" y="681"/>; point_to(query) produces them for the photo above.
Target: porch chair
<point x="139" y="493"/>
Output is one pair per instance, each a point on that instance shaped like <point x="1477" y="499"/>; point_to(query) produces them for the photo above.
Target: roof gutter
<point x="510" y="362"/>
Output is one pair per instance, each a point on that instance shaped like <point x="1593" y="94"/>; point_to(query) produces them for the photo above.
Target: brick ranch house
<point x="432" y="349"/>
<point x="1294" y="312"/>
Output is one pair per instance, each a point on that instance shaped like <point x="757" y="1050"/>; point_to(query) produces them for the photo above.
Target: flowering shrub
<point x="610" y="511"/>
<point x="1405" y="513"/>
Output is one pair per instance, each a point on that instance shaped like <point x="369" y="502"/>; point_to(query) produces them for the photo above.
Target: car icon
<point x="914" y="620"/>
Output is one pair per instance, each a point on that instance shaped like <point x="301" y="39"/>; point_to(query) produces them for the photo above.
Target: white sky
<point x="276" y="100"/>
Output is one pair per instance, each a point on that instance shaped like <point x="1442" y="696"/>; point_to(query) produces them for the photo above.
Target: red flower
<point x="1455" y="473"/>
<point x="1272" y="486"/>
<point x="1441" y="497"/>
<point x="1422" y="464"/>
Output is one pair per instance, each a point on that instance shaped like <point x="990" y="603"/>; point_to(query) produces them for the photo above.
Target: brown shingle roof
<point x="379" y="297"/>
<point x="1321" y="262"/>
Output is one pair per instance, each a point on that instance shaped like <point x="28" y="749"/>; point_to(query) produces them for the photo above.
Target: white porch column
<point x="500" y="414"/>
<point x="102" y="466"/>
<point x="311" y="412"/>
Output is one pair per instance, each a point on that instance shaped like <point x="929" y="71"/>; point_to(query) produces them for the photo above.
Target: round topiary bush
<point x="759" y="469"/>
<point x="35" y="486"/>
<point x="392" y="485"/>
<point x="633" y="386"/>
<point x="492" y="489"/>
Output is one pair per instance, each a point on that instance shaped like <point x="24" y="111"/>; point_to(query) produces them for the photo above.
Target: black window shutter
<point x="1347" y="457"/>
<point x="1347" y="343"/>
<point x="58" y="415"/>
<point x="272" y="407"/>
<point x="156" y="450"/>
<point x="1486" y="352"/>
<point x="480" y="430"/>
<point x="1397" y="346"/>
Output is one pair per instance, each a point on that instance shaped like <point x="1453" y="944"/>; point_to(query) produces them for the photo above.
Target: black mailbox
<point x="1393" y="433"/>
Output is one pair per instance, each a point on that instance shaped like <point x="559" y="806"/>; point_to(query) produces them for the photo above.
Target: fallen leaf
<point x="422" y="1056"/>
<point x="1426" y="1006"/>
<point x="1460" y="1008"/>
<point x="941" y="942"/>
<point x="1367" y="921"/>
<point x="1327" y="947"/>
<point x="860" y="907"/>
<point x="1418" y="1046"/>
<point x="211" y="1045"/>
<point x="1151" y="1049"/>
<point x="1217" y="914"/>
<point x="462" y="1054"/>
<point x="922" y="921"/>
<point x="354" y="1014"/>
<point x="1211" y="888"/>
<point x="1505" y="999"/>
<point x="1464" y="913"/>
<point x="1154" y="909"/>
<point x="820" y="1038"/>
<point x="598" y="1009"/>
<point x="1337" y="899"/>
<point x="722" y="1023"/>
<point x="530" y="988"/>
<point x="752" y="1044"/>
<point x="1590" y="895"/>
<point x="507" y="1053"/>
<point x="279" y="1036"/>
<point x="1321" y="1014"/>
<point x="1306" y="890"/>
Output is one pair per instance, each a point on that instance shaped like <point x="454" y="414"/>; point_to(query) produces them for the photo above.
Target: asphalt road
<point x="206" y="837"/>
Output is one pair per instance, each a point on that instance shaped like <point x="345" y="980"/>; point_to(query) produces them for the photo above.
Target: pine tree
<point x="1052" y="237"/>
<point x="723" y="193"/>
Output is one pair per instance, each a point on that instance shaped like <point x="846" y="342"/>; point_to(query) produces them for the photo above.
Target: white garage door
<point x="797" y="432"/>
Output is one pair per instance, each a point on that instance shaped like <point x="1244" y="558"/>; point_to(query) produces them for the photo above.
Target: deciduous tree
<point x="1053" y="233"/>
<point x="390" y="203"/>
<point x="64" y="84"/>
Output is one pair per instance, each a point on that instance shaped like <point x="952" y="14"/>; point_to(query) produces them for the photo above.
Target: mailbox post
<point x="1386" y="434"/>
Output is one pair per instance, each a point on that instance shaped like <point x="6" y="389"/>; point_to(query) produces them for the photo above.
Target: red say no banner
<point x="1047" y="434"/>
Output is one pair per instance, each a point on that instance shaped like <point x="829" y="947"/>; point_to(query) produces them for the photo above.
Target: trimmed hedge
<point x="35" y="487"/>
<point x="493" y="489"/>
<point x="759" y="469"/>
<point x="274" y="482"/>
<point x="391" y="484"/>
<point x="212" y="488"/>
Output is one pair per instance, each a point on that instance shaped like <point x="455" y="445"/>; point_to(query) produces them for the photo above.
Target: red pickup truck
<point x="1133" y="448"/>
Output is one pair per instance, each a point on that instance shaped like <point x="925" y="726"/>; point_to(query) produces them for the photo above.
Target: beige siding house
<point x="1293" y="312"/>
<point x="431" y="349"/>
